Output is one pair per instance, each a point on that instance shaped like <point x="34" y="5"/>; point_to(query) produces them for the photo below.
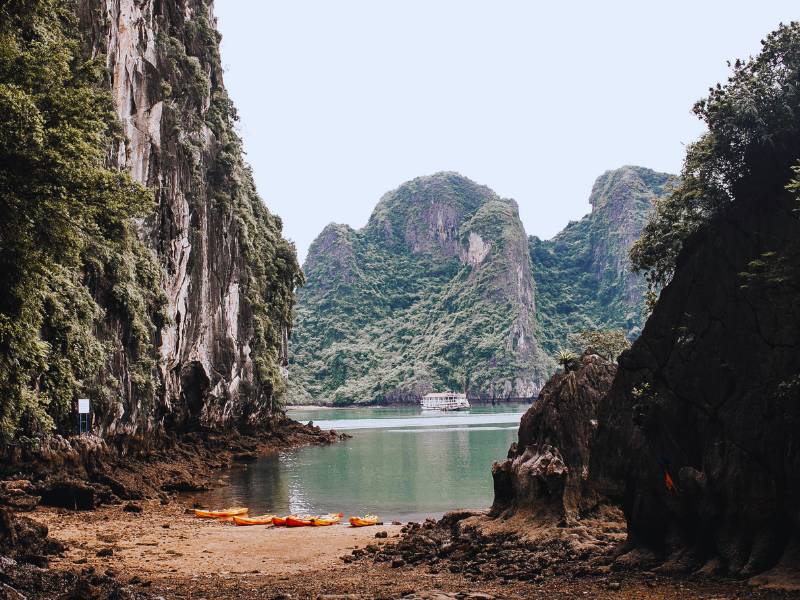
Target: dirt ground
<point x="165" y="552"/>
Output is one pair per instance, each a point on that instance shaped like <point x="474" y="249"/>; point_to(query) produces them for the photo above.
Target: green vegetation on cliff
<point x="164" y="295"/>
<point x="583" y="275"/>
<point x="749" y="151"/>
<point x="435" y="292"/>
<point x="65" y="235"/>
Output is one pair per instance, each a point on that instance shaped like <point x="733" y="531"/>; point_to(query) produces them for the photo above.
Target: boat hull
<point x="226" y="513"/>
<point x="259" y="520"/>
<point x="365" y="521"/>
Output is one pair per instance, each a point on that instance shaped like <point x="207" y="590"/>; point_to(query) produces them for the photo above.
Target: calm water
<point x="400" y="464"/>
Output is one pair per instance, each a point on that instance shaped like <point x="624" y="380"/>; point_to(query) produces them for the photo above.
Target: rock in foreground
<point x="546" y="470"/>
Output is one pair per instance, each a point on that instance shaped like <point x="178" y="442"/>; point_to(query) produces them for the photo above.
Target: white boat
<point x="445" y="401"/>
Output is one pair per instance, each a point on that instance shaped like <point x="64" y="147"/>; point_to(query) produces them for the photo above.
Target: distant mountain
<point x="437" y="291"/>
<point x="583" y="277"/>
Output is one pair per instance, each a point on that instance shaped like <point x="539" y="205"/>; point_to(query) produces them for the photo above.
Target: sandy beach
<point x="168" y="553"/>
<point x="164" y="539"/>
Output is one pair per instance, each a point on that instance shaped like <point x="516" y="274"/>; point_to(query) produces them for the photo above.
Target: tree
<point x="753" y="140"/>
<point x="565" y="357"/>
<point x="608" y="343"/>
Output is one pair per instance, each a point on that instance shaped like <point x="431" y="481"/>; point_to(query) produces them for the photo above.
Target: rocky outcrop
<point x="227" y="274"/>
<point x="470" y="543"/>
<point x="84" y="472"/>
<point x="546" y="472"/>
<point x="435" y="292"/>
<point x="698" y="438"/>
<point x="25" y="539"/>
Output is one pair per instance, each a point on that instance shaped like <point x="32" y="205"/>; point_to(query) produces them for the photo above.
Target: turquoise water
<point x="401" y="463"/>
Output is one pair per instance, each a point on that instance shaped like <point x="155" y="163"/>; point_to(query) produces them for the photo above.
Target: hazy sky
<point x="343" y="100"/>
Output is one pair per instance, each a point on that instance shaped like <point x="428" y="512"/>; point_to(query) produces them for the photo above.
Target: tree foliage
<point x="752" y="142"/>
<point x="64" y="233"/>
<point x="608" y="343"/>
<point x="565" y="357"/>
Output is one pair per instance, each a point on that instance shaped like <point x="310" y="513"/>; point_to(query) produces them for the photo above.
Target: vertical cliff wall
<point x="709" y="395"/>
<point x="227" y="274"/>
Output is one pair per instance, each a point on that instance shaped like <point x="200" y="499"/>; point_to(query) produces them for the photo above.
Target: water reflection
<point x="397" y="469"/>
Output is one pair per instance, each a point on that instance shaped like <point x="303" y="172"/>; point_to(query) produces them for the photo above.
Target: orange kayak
<point x="225" y="513"/>
<point x="364" y="521"/>
<point x="300" y="521"/>
<point x="259" y="520"/>
<point x="324" y="520"/>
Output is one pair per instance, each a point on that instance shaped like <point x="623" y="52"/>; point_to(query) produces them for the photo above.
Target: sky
<point x="341" y="101"/>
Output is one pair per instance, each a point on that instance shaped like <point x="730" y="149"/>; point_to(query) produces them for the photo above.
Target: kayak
<point x="259" y="520"/>
<point x="324" y="520"/>
<point x="220" y="514"/>
<point x="300" y="520"/>
<point x="364" y="521"/>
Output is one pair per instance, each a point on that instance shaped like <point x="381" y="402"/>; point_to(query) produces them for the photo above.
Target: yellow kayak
<point x="225" y="513"/>
<point x="324" y="520"/>
<point x="364" y="521"/>
<point x="259" y="520"/>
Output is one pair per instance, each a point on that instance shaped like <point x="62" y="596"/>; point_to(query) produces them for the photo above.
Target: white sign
<point x="83" y="406"/>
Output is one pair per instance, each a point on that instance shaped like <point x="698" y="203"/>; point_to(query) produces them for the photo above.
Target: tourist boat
<point x="445" y="401"/>
<point x="259" y="520"/>
<point x="364" y="521"/>
<point x="225" y="513"/>
<point x="324" y="520"/>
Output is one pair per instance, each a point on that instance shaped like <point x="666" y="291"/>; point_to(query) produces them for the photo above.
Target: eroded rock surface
<point x="547" y="469"/>
<point x="699" y="439"/>
<point x="227" y="273"/>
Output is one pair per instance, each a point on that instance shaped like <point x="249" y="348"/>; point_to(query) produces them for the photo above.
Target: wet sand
<point x="166" y="540"/>
<point x="167" y="553"/>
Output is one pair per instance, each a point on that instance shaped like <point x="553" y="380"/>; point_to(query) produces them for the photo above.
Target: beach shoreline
<point x="163" y="551"/>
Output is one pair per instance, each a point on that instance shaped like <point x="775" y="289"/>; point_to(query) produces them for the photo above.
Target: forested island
<point x="443" y="289"/>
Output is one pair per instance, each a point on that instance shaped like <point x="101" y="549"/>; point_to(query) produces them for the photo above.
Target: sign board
<point x="83" y="406"/>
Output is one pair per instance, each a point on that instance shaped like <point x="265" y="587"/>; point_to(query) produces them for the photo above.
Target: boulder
<point x="546" y="470"/>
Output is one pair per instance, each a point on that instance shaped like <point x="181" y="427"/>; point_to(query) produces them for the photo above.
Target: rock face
<point x="227" y="273"/>
<point x="698" y="438"/>
<point x="583" y="276"/>
<point x="435" y="292"/>
<point x="546" y="471"/>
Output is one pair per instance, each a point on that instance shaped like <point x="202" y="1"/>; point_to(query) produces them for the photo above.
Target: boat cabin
<point x="445" y="401"/>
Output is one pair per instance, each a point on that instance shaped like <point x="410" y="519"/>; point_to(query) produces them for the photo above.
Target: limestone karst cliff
<point x="697" y="436"/>
<point x="227" y="273"/>
<point x="583" y="275"/>
<point x="176" y="319"/>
